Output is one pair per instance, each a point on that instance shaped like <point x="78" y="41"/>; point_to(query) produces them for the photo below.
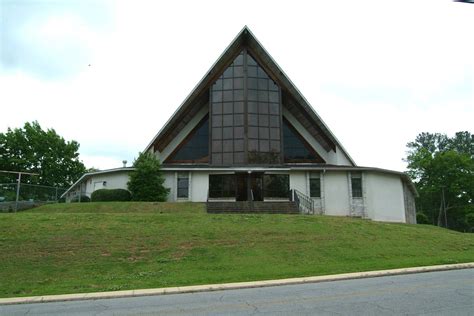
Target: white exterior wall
<point x="298" y="181"/>
<point x="116" y="180"/>
<point x="199" y="186"/>
<point x="336" y="193"/>
<point x="170" y="183"/>
<point x="384" y="197"/>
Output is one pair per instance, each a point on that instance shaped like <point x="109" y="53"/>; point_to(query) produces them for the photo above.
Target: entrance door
<point x="249" y="185"/>
<point x="241" y="187"/>
<point x="256" y="184"/>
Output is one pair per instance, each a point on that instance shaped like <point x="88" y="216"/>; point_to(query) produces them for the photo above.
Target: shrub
<point x="109" y="195"/>
<point x="84" y="199"/>
<point x="422" y="219"/>
<point x="146" y="182"/>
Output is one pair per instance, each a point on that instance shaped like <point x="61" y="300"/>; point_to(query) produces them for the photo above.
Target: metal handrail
<point x="305" y="203"/>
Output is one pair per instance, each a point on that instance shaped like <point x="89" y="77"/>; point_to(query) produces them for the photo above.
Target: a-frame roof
<point x="293" y="100"/>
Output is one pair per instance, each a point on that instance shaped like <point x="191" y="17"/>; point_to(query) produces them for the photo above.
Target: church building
<point x="245" y="139"/>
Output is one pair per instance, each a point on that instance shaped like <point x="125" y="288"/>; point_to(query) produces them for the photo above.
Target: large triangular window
<point x="195" y="147"/>
<point x="296" y="148"/>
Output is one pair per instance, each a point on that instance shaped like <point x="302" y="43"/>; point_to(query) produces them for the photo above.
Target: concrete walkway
<point x="229" y="286"/>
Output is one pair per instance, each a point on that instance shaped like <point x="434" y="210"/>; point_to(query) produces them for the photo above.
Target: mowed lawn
<point x="90" y="247"/>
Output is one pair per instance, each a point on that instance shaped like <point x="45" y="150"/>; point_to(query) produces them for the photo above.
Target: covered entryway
<point x="249" y="186"/>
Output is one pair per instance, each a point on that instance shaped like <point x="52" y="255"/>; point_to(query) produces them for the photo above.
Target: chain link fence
<point x="29" y="195"/>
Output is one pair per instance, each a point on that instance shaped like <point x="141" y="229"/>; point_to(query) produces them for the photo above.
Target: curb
<point x="229" y="286"/>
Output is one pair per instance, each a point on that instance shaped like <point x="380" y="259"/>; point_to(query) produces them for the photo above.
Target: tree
<point x="33" y="149"/>
<point x="146" y="182"/>
<point x="443" y="171"/>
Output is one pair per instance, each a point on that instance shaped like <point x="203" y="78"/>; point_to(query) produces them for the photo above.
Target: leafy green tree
<point x="32" y="149"/>
<point x="146" y="182"/>
<point x="443" y="171"/>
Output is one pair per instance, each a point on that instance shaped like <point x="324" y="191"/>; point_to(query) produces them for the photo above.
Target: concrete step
<point x="255" y="207"/>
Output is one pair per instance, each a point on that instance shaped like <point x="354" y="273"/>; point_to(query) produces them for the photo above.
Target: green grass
<point x="89" y="247"/>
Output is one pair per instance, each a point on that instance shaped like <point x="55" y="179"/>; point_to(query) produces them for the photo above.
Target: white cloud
<point x="378" y="72"/>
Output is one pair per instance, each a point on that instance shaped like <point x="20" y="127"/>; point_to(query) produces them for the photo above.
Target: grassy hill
<point x="90" y="247"/>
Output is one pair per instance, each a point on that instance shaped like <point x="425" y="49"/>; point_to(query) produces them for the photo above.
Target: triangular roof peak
<point x="293" y="100"/>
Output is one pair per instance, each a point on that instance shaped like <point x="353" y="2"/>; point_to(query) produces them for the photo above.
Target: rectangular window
<point x="221" y="185"/>
<point x="315" y="185"/>
<point x="276" y="185"/>
<point x="356" y="184"/>
<point x="183" y="185"/>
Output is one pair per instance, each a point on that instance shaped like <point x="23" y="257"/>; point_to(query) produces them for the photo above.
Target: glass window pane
<point x="261" y="73"/>
<point x="228" y="96"/>
<point x="216" y="108"/>
<point x="238" y="71"/>
<point x="217" y="85"/>
<point x="217" y="158"/>
<point x="356" y="182"/>
<point x="253" y="132"/>
<point x="272" y="86"/>
<point x="239" y="132"/>
<point x="275" y="146"/>
<point x="239" y="145"/>
<point x="239" y="158"/>
<point x="263" y="84"/>
<point x="216" y="120"/>
<point x="228" y="120"/>
<point x="274" y="121"/>
<point x="238" y="83"/>
<point x="263" y="96"/>
<point x="294" y="146"/>
<point x="227" y="108"/>
<point x="275" y="133"/>
<point x="217" y="133"/>
<point x="228" y="84"/>
<point x="227" y="158"/>
<point x="238" y="95"/>
<point x="252" y="107"/>
<point x="217" y="96"/>
<point x="195" y="146"/>
<point x="273" y="96"/>
<point x="238" y="107"/>
<point x="276" y="185"/>
<point x="227" y="133"/>
<point x="263" y="108"/>
<point x="239" y="60"/>
<point x="315" y="187"/>
<point x="221" y="185"/>
<point x="252" y="71"/>
<point x="252" y="95"/>
<point x="238" y="119"/>
<point x="253" y="145"/>
<point x="264" y="146"/>
<point x="274" y="108"/>
<point x="263" y="120"/>
<point x="228" y="145"/>
<point x="252" y="83"/>
<point x="216" y="145"/>
<point x="253" y="119"/>
<point x="263" y="133"/>
<point x="251" y="61"/>
<point x="228" y="72"/>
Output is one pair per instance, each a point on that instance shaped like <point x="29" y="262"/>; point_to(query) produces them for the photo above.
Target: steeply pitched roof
<point x="292" y="98"/>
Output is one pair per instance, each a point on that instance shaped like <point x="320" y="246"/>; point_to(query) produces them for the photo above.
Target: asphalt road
<point x="433" y="293"/>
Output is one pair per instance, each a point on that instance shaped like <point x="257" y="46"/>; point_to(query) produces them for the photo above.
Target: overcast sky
<point x="109" y="74"/>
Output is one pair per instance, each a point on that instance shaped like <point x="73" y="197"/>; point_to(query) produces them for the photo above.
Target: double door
<point x="249" y="186"/>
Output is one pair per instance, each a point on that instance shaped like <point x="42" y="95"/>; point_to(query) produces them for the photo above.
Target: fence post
<point x="17" y="191"/>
